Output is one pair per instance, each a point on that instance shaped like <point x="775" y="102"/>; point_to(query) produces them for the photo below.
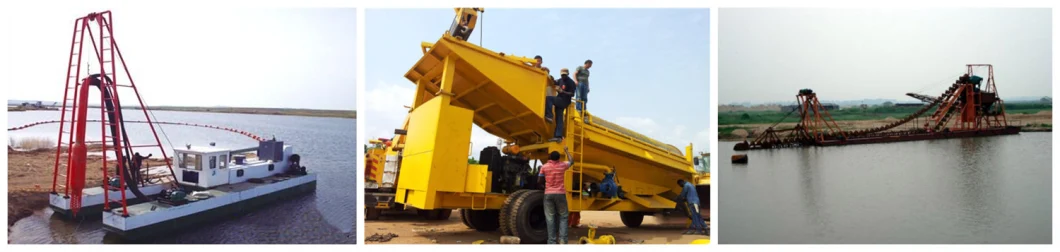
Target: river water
<point x="327" y="147"/>
<point x="970" y="190"/>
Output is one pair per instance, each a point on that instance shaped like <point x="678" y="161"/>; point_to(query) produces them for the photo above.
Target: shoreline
<point x="1038" y="122"/>
<point x="29" y="178"/>
<point x="350" y="114"/>
<point x="736" y="138"/>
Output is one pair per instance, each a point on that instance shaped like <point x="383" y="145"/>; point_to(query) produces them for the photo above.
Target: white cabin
<point x="210" y="166"/>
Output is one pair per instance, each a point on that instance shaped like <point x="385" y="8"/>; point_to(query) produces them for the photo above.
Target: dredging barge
<point x="215" y="182"/>
<point x="208" y="181"/>
<point x="967" y="109"/>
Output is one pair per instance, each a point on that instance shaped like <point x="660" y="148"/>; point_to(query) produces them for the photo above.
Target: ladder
<point x="577" y="133"/>
<point x="98" y="30"/>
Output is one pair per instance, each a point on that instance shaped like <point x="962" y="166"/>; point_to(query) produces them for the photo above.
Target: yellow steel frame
<point x="459" y="84"/>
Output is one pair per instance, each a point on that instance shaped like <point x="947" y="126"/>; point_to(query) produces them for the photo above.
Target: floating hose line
<point x="241" y="132"/>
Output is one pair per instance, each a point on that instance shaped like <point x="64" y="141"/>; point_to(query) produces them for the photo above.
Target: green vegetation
<point x="472" y="161"/>
<point x="1039" y="125"/>
<point x="849" y="114"/>
<point x="1026" y="108"/>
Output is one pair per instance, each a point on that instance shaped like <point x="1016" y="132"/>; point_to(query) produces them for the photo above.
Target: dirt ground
<point x="29" y="179"/>
<point x="413" y="229"/>
<point x="1042" y="117"/>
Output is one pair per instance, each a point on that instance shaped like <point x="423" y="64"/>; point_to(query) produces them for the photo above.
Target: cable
<point x="482" y="27"/>
<point x="152" y="112"/>
<point x="934" y="83"/>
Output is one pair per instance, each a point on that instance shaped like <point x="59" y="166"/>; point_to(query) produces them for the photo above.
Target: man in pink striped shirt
<point x="556" y="196"/>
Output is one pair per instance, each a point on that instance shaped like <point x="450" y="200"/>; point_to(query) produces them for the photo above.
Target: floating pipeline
<point x="241" y="132"/>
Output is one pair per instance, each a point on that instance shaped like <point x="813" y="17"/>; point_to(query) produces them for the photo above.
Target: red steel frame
<point x="969" y="118"/>
<point x="815" y="128"/>
<point x="76" y="148"/>
<point x="813" y="121"/>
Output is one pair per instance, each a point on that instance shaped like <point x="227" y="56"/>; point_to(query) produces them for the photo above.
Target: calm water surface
<point x="327" y="147"/>
<point x="971" y="190"/>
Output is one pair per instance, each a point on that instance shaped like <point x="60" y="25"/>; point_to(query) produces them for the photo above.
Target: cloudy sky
<point x="650" y="72"/>
<point x="252" y="57"/>
<point x="767" y="55"/>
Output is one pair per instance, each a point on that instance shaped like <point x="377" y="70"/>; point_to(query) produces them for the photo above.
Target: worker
<point x="581" y="79"/>
<point x="566" y="90"/>
<point x="138" y="162"/>
<point x="555" y="196"/>
<point x="691" y="202"/>
<point x="550" y="89"/>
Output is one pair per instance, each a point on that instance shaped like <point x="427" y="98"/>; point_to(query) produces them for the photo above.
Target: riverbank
<point x="1040" y="121"/>
<point x="29" y="179"/>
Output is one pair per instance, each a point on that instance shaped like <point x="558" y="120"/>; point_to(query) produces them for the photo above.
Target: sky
<point x="767" y="55"/>
<point x="247" y="57"/>
<point x="650" y="67"/>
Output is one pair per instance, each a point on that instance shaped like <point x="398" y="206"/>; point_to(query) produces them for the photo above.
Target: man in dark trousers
<point x="566" y="91"/>
<point x="555" y="196"/>
<point x="690" y="199"/>
<point x="138" y="162"/>
<point x="581" y="78"/>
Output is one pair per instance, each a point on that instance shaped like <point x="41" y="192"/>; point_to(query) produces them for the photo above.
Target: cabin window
<point x="190" y="161"/>
<point x="213" y="162"/>
<point x="224" y="161"/>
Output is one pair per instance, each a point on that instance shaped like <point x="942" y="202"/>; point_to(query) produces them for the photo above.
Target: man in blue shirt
<point x="690" y="200"/>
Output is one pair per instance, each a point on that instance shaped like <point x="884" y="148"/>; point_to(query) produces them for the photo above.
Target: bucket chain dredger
<point x="970" y="107"/>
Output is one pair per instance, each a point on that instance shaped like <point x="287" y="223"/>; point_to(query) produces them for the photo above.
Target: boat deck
<point x="161" y="172"/>
<point x="155" y="206"/>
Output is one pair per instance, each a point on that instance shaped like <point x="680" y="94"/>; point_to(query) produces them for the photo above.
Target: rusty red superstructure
<point x="968" y="108"/>
<point x="95" y="29"/>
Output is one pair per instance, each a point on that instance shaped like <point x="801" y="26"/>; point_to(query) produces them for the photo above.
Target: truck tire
<point x="703" y="192"/>
<point x="527" y="219"/>
<point x="444" y="214"/>
<point x="371" y="213"/>
<point x="436" y="214"/>
<point x="482" y="220"/>
<point x="463" y="218"/>
<point x="506" y="212"/>
<point x="632" y="219"/>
